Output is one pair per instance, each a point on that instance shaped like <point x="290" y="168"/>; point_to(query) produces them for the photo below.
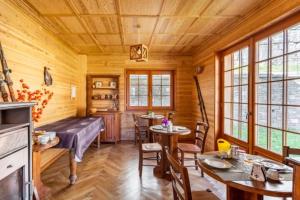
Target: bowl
<point x="93" y="110"/>
<point x="51" y="135"/>
<point x="43" y="139"/>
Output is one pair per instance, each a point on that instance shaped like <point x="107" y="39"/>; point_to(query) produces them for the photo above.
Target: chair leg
<point x="157" y="158"/>
<point x="195" y="157"/>
<point x="140" y="164"/>
<point x="182" y="157"/>
<point x="98" y="140"/>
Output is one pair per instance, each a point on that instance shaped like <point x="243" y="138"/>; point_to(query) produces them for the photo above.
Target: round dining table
<point x="168" y="139"/>
<point x="151" y="119"/>
<point x="240" y="185"/>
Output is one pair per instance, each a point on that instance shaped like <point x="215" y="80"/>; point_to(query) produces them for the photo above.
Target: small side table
<point x="36" y="165"/>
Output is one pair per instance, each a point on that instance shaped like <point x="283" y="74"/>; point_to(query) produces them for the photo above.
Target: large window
<point x="236" y="93"/>
<point x="149" y="89"/>
<point x="277" y="84"/>
<point x="261" y="90"/>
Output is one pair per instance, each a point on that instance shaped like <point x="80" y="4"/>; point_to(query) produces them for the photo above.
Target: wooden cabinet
<point x="112" y="126"/>
<point x="103" y="100"/>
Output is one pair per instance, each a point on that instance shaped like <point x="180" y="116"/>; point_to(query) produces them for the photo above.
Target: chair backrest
<point x="171" y="116"/>
<point x="180" y="179"/>
<point x="296" y="181"/>
<point x="287" y="151"/>
<point x="201" y="134"/>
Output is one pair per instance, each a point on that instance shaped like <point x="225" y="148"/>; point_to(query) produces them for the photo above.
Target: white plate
<point x="181" y="128"/>
<point x="273" y="165"/>
<point x="157" y="127"/>
<point x="218" y="163"/>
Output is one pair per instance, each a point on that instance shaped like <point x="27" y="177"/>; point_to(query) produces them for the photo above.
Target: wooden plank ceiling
<point x="167" y="26"/>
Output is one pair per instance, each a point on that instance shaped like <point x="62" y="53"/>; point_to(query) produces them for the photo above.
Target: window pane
<point x="244" y="134"/>
<point x="244" y="75"/>
<point x="235" y="129"/>
<point x="134" y="101"/>
<point x="262" y="72"/>
<point x="262" y="47"/>
<point x="261" y="136"/>
<point x="166" y="79"/>
<point x="261" y="93"/>
<point x="244" y="113"/>
<point x="156" y="90"/>
<point x="156" y="79"/>
<point x="236" y="76"/>
<point x="227" y="94"/>
<point x="227" y="62"/>
<point x="134" y="90"/>
<point x="245" y="94"/>
<point x="293" y="118"/>
<point x="276" y="117"/>
<point x="277" y="44"/>
<point x="293" y="92"/>
<point x="236" y="59"/>
<point x="227" y="127"/>
<point x="293" y="140"/>
<point x="293" y="65"/>
<point x="166" y="90"/>
<point x="166" y="101"/>
<point x="143" y="79"/>
<point x="293" y="38"/>
<point x="276" y="92"/>
<point x="143" y="90"/>
<point x="143" y="100"/>
<point x="276" y="141"/>
<point x="227" y="110"/>
<point x="245" y="59"/>
<point x="156" y="101"/>
<point x="235" y="111"/>
<point x="262" y="113"/>
<point x="277" y="68"/>
<point x="134" y="79"/>
<point x="227" y="77"/>
<point x="236" y="94"/>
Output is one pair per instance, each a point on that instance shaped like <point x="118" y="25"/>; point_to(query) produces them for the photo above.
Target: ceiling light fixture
<point x="139" y="52"/>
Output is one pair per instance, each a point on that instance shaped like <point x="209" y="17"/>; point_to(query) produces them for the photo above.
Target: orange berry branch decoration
<point x="41" y="97"/>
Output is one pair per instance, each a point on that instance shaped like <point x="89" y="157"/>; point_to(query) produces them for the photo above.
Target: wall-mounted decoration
<point x="113" y="84"/>
<point x="98" y="84"/>
<point x="47" y="77"/>
<point x="139" y="53"/>
<point x="73" y="91"/>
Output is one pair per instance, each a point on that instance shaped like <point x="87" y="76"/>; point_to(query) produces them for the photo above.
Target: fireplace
<point x="15" y="151"/>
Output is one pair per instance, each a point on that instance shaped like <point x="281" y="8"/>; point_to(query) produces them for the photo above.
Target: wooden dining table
<point x="239" y="184"/>
<point x="168" y="139"/>
<point x="151" y="119"/>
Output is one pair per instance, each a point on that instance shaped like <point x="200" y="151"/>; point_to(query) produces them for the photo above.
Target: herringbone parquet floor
<point x="111" y="173"/>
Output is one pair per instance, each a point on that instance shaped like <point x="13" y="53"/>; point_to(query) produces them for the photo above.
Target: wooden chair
<point x="198" y="147"/>
<point x="287" y="151"/>
<point x="170" y="116"/>
<point x="296" y="181"/>
<point x="143" y="128"/>
<point x="181" y="183"/>
<point x="147" y="148"/>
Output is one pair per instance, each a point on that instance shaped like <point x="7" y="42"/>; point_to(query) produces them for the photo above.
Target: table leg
<point x="163" y="169"/>
<point x="150" y="132"/>
<point x="73" y="167"/>
<point x="234" y="194"/>
<point x="42" y="190"/>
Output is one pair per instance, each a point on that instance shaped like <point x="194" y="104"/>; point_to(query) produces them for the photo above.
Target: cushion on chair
<point x="189" y="148"/>
<point x="203" y="195"/>
<point x="151" y="147"/>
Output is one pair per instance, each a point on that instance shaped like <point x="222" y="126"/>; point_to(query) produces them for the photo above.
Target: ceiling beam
<point x="73" y="8"/>
<point x="155" y="26"/>
<point x="118" y="9"/>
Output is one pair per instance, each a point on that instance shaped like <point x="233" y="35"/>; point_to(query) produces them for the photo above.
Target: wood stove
<point x="15" y="151"/>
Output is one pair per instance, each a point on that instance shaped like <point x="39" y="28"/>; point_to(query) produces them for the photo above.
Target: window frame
<point x="250" y="146"/>
<point x="150" y="72"/>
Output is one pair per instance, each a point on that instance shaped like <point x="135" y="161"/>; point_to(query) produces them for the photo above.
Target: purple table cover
<point x="76" y="133"/>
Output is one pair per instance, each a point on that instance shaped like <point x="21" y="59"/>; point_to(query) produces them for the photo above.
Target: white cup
<point x="43" y="139"/>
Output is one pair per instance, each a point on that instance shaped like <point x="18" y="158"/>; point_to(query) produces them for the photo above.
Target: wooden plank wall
<point x="28" y="48"/>
<point x="117" y="64"/>
<point x="206" y="57"/>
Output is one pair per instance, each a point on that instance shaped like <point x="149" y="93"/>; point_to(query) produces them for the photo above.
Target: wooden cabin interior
<point x="149" y="99"/>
